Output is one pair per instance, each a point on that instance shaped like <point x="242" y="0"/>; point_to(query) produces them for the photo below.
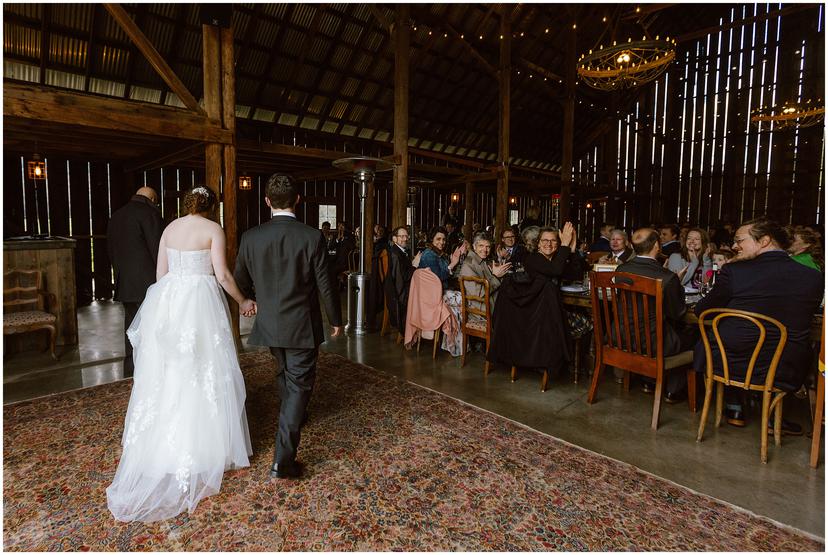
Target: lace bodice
<point x="189" y="262"/>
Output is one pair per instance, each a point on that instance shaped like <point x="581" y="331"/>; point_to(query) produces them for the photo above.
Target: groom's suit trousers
<point x="295" y="376"/>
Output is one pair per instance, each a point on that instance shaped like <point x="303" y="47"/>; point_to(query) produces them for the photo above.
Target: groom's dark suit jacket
<point x="285" y="260"/>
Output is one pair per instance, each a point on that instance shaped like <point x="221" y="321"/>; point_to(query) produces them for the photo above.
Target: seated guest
<point x="340" y="248"/>
<point x="508" y="250"/>
<point x="620" y="249"/>
<point x="602" y="243"/>
<point x="450" y="217"/>
<point x="476" y="228"/>
<point x="398" y="278"/>
<point x="677" y="336"/>
<point x="531" y="218"/>
<point x="763" y="278"/>
<point x="435" y="259"/>
<point x="475" y="266"/>
<point x="669" y="240"/>
<point x="529" y="322"/>
<point x="529" y="236"/>
<point x="453" y="237"/>
<point x="693" y="262"/>
<point x="805" y="248"/>
<point x="380" y="239"/>
<point x="422" y="242"/>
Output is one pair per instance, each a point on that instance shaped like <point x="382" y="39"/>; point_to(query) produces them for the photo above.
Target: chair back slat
<point x="612" y="323"/>
<point x="383" y="265"/>
<point x="649" y="341"/>
<point x="759" y="320"/>
<point x="467" y="306"/>
<point x="22" y="290"/>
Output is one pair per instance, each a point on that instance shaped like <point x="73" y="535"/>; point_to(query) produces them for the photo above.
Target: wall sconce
<point x="589" y="205"/>
<point x="455" y="198"/>
<point x="245" y="182"/>
<point x="36" y="168"/>
<point x="513" y="201"/>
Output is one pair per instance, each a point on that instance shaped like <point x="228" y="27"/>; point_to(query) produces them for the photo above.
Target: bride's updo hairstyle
<point x="199" y="200"/>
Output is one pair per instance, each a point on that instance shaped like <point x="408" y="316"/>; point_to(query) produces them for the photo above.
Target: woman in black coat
<point x="529" y="321"/>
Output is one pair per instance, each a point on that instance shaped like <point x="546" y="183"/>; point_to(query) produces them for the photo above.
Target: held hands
<point x="416" y="261"/>
<point x="336" y="331"/>
<point x="247" y="308"/>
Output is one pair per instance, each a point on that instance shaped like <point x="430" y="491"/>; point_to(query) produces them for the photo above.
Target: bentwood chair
<point x="620" y="311"/>
<point x="475" y="305"/>
<point x="24" y="305"/>
<point x="383" y="274"/>
<point x="820" y="402"/>
<point x="771" y="396"/>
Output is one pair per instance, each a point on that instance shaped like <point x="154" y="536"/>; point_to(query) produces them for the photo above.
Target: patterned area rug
<point x="390" y="466"/>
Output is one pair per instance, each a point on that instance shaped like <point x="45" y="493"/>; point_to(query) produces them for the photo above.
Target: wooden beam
<point x="468" y="216"/>
<point x="228" y="117"/>
<point x="155" y="59"/>
<point x="644" y="10"/>
<point x="35" y="102"/>
<point x="159" y="160"/>
<point x="568" y="138"/>
<point x="540" y="70"/>
<point x="504" y="78"/>
<point x="441" y="24"/>
<point x="320" y="173"/>
<point x="375" y="11"/>
<point x="401" y="79"/>
<point x="213" y="153"/>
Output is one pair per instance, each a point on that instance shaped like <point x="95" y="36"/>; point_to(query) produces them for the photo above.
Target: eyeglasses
<point x="739" y="241"/>
<point x="548" y="241"/>
<point x="508" y="236"/>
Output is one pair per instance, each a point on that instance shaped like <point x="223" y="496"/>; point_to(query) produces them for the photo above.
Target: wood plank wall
<point x="724" y="167"/>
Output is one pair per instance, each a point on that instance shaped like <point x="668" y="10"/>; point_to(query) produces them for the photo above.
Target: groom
<point x="285" y="261"/>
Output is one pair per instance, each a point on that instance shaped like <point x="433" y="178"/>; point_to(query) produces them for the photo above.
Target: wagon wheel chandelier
<point x="790" y="114"/>
<point x="626" y="65"/>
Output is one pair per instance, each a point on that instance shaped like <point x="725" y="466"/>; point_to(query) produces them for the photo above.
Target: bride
<point x="185" y="424"/>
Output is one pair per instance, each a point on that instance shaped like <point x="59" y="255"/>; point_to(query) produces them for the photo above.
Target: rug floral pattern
<point x="390" y="466"/>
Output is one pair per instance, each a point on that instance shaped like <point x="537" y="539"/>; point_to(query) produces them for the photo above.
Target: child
<point x="720" y="258"/>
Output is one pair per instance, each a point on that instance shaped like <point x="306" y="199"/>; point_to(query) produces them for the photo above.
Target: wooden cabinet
<point x="55" y="258"/>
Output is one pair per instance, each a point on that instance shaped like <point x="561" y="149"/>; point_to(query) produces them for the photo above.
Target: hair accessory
<point x="202" y="191"/>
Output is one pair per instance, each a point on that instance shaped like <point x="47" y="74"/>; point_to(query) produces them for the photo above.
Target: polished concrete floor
<point x="725" y="465"/>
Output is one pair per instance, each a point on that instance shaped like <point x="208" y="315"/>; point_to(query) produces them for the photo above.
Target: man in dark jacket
<point x="602" y="243"/>
<point x="762" y="278"/>
<point x="677" y="338"/>
<point x="283" y="261"/>
<point x="398" y="280"/>
<point x="132" y="238"/>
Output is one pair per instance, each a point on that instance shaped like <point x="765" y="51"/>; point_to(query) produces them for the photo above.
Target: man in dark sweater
<point x="132" y="238"/>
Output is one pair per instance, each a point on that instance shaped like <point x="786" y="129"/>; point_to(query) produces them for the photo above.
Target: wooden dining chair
<point x="593" y="257"/>
<point x="819" y="411"/>
<point x="771" y="396"/>
<point x="620" y="309"/>
<point x="383" y="274"/>
<point x="471" y="305"/>
<point x="26" y="305"/>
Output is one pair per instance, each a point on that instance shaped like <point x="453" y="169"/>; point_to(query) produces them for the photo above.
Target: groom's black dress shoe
<point x="286" y="470"/>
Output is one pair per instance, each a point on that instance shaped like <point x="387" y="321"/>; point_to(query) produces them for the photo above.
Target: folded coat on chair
<point x="426" y="309"/>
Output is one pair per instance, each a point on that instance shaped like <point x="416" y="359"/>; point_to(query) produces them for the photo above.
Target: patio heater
<point x="414" y="185"/>
<point x="364" y="168"/>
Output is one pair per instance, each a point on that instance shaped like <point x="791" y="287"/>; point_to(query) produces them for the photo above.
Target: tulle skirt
<point x="185" y="424"/>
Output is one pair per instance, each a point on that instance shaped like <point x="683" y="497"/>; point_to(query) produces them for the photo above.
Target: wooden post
<point x="504" y="79"/>
<point x="228" y="116"/>
<point x="370" y="208"/>
<point x="469" y="216"/>
<point x="212" y="103"/>
<point x="401" y="77"/>
<point x="568" y="128"/>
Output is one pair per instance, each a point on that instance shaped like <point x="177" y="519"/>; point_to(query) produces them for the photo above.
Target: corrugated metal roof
<point x="74" y="16"/>
<point x="104" y="86"/>
<point x="350" y="33"/>
<point x="67" y="51"/>
<point x="242" y="111"/>
<point x="340" y="57"/>
<point x="348" y="130"/>
<point x="64" y="80"/>
<point x="306" y="76"/>
<point x="319" y="49"/>
<point x="275" y="10"/>
<point x="265" y="35"/>
<point x="21" y="41"/>
<point x="329" y="127"/>
<point x="253" y="61"/>
<point x="338" y="109"/>
<point x="159" y="33"/>
<point x="350" y="86"/>
<point x="21" y="72"/>
<point x="288" y="119"/>
<point x="309" y="122"/>
<point x="303" y="14"/>
<point x="328" y="82"/>
<point x="189" y="45"/>
<point x="144" y="94"/>
<point x="360" y="63"/>
<point x="28" y="9"/>
<point x="111" y="61"/>
<point x="316" y="104"/>
<point x="173" y="100"/>
<point x="292" y="42"/>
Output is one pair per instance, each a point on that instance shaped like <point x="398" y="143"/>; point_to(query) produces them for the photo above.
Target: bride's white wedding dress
<point x="186" y="423"/>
